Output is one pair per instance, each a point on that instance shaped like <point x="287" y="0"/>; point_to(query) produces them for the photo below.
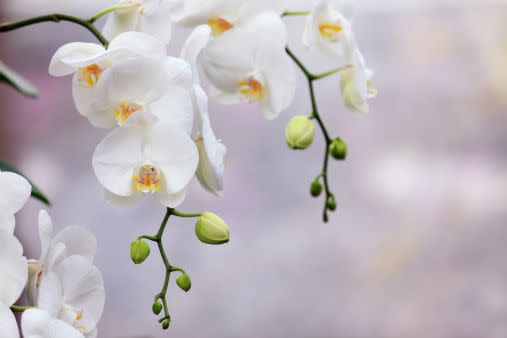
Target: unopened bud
<point x="338" y="149"/>
<point x="211" y="229"/>
<point x="165" y="324"/>
<point x="156" y="307"/>
<point x="139" y="251"/>
<point x="331" y="203"/>
<point x="316" y="188"/>
<point x="300" y="132"/>
<point x="184" y="282"/>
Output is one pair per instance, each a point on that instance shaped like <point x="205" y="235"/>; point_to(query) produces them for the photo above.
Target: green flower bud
<point x="165" y="324"/>
<point x="299" y="132"/>
<point x="184" y="282"/>
<point x="211" y="229"/>
<point x="139" y="251"/>
<point x="338" y="149"/>
<point x="331" y="203"/>
<point x="156" y="307"/>
<point x="316" y="188"/>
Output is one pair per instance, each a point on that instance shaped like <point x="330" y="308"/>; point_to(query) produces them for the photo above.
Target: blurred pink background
<point x="417" y="246"/>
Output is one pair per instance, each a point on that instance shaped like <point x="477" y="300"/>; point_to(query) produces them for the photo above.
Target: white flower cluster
<point x="64" y="289"/>
<point x="155" y="103"/>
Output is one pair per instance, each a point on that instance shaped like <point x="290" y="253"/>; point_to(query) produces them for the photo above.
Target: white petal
<point x="171" y="200"/>
<point x="14" y="268"/>
<point x="158" y="23"/>
<point x="280" y="75"/>
<point x="66" y="57"/>
<point x="51" y="295"/>
<point x="120" y="21"/>
<point x="175" y="109"/>
<point x="140" y="44"/>
<point x="122" y="201"/>
<point x="212" y="152"/>
<point x="8" y="325"/>
<point x="37" y="323"/>
<point x="141" y="80"/>
<point x="172" y="151"/>
<point x="14" y="192"/>
<point x="83" y="288"/>
<point x="78" y="241"/>
<point x="56" y="255"/>
<point x="83" y="96"/>
<point x="116" y="157"/>
<point x="45" y="233"/>
<point x="195" y="43"/>
<point x="178" y="72"/>
<point x="7" y="221"/>
<point x="264" y="28"/>
<point x="224" y="81"/>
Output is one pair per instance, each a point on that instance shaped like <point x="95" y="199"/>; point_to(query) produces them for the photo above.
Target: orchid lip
<point x="219" y="25"/>
<point x="148" y="179"/>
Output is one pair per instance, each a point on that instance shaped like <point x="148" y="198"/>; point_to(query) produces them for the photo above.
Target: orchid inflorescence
<point x="155" y="108"/>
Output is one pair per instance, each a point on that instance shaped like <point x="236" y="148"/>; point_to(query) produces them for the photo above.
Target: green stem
<point x="311" y="78"/>
<point x="7" y="27"/>
<point x="296" y="13"/>
<point x="107" y="11"/>
<point x="18" y="308"/>
<point x="331" y="72"/>
<point x="181" y="214"/>
<point x="168" y="267"/>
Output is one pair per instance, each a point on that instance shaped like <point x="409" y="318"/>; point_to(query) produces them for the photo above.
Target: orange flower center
<point x="251" y="89"/>
<point x="90" y="75"/>
<point x="331" y="32"/>
<point x="148" y="179"/>
<point x="219" y="25"/>
<point x="124" y="110"/>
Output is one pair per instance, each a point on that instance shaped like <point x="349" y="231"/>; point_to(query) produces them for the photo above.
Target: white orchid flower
<point x="89" y="61"/>
<point x="250" y="68"/>
<point x="356" y="85"/>
<point x="329" y="27"/>
<point x="136" y="160"/>
<point x="72" y="240"/>
<point x="212" y="152"/>
<point x="14" y="193"/>
<point x="74" y="294"/>
<point x="133" y="86"/>
<point x="13" y="266"/>
<point x="224" y="15"/>
<point x="152" y="17"/>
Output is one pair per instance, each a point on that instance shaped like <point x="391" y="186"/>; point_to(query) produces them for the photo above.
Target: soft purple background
<point x="417" y="247"/>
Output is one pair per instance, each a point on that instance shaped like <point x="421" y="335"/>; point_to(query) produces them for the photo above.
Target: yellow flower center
<point x="330" y="31"/>
<point x="124" y="110"/>
<point x="219" y="25"/>
<point x="90" y="75"/>
<point x="147" y="180"/>
<point x="251" y="89"/>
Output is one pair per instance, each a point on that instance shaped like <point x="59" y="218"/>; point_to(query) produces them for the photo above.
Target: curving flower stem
<point x="109" y="10"/>
<point x="311" y="78"/>
<point x="168" y="267"/>
<point x="7" y="27"/>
